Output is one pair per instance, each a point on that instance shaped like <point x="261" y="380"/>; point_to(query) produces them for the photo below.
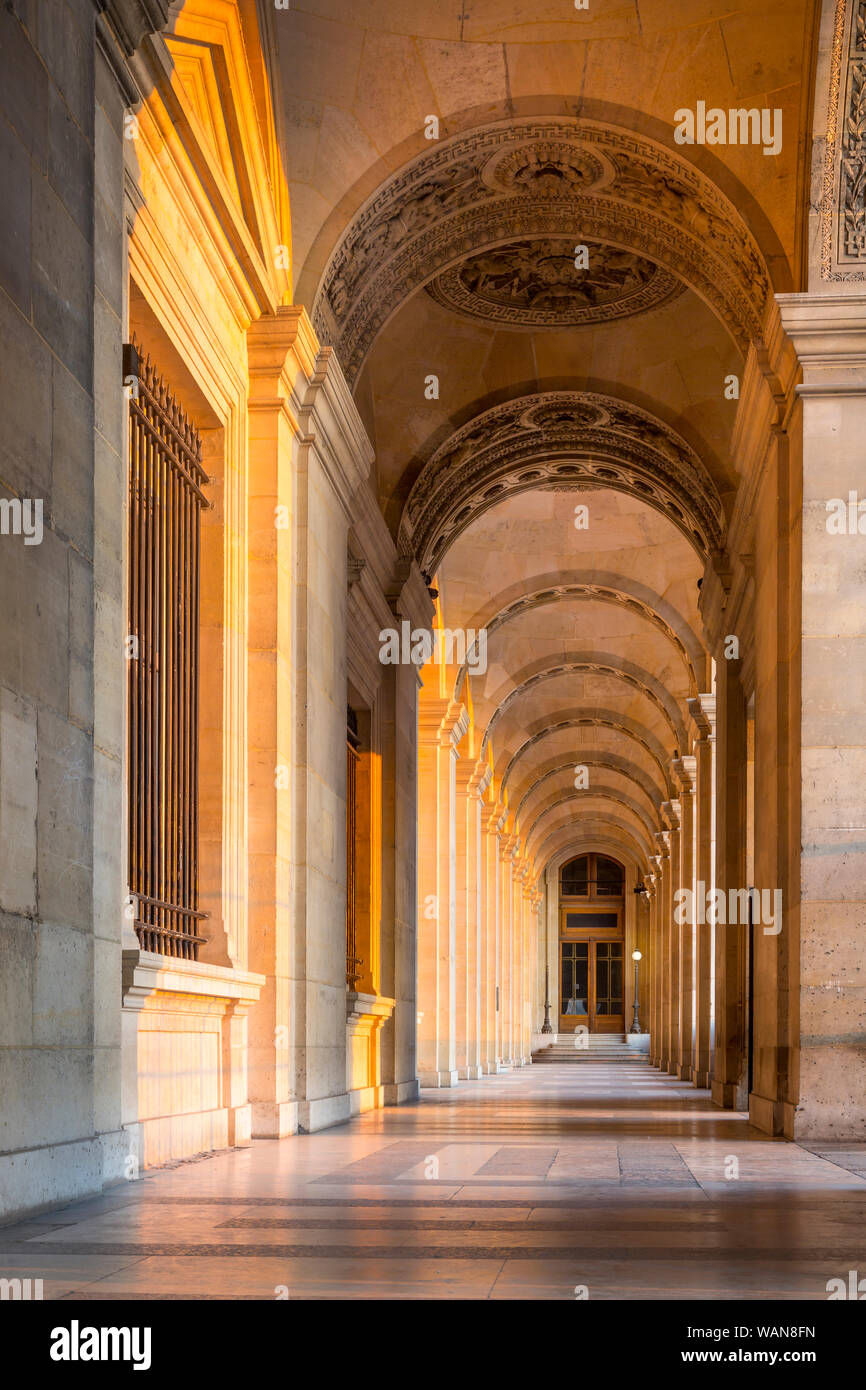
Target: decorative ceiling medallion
<point x="535" y="180"/>
<point x="531" y="284"/>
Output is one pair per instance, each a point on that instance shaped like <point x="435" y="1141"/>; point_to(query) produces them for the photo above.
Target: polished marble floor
<point x="600" y="1181"/>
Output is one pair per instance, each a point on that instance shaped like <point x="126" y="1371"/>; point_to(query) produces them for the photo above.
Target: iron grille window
<point x="166" y="496"/>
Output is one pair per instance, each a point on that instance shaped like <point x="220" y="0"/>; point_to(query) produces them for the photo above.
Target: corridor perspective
<point x="433" y="649"/>
<point x="616" y="1183"/>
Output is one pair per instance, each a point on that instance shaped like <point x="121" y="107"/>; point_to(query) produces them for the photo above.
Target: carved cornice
<point x="554" y="178"/>
<point x="703" y="711"/>
<point x="685" y="771"/>
<point x="563" y="440"/>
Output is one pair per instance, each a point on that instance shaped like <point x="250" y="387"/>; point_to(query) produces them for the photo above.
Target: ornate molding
<point x="561" y="439"/>
<point x="843" y="202"/>
<point x="532" y="284"/>
<point x="559" y="178"/>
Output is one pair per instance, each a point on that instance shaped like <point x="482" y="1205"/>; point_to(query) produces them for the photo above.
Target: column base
<point x="398" y="1092"/>
<point x="701" y="1079"/>
<point x="435" y="1080"/>
<point x="273" y="1119"/>
<point x="470" y="1073"/>
<point x="36" y="1180"/>
<point x="771" y="1116"/>
<point x="319" y="1114"/>
<point x="724" y="1095"/>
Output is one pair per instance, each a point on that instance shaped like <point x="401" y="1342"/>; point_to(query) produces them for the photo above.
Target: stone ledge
<point x="146" y="973"/>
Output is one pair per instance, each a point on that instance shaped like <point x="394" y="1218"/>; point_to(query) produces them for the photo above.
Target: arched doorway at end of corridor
<point x="591" y="945"/>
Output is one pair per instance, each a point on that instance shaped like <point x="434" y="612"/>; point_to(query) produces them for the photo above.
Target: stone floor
<point x="546" y="1181"/>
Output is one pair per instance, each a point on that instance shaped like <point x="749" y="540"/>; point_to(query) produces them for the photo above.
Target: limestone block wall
<point x="61" y="302"/>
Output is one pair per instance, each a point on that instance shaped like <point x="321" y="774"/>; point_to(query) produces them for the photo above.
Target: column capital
<point x="663" y="840"/>
<point x="289" y="370"/>
<point x="407" y="594"/>
<point x="685" y="771"/>
<point x="672" y="812"/>
<point x="473" y="776"/>
<point x="442" y="721"/>
<point x="829" y="336"/>
<point x="508" y="845"/>
<point x="702" y="708"/>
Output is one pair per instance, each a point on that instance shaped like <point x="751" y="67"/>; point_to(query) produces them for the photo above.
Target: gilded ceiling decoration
<point x="573" y="439"/>
<point x="557" y="181"/>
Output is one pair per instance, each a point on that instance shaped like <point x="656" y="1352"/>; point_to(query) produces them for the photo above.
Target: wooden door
<point x="591" y="972"/>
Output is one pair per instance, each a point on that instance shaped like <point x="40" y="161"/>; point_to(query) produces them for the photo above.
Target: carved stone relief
<point x="843" y="241"/>
<point x="536" y="284"/>
<point x="557" y="439"/>
<point x="563" y="181"/>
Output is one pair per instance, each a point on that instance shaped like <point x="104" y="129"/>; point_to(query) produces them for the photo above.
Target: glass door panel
<point x="574" y="985"/>
<point x="608" y="1013"/>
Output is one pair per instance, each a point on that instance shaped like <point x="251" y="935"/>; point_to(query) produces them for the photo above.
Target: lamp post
<point x="635" y="1027"/>
<point x="547" y="1026"/>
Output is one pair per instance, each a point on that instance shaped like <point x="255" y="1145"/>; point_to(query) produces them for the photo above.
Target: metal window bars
<point x="166" y="497"/>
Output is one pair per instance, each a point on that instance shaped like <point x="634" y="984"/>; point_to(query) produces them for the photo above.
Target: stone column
<point x="663" y="840"/>
<point x="728" y="1072"/>
<point x="655" y="954"/>
<point x="520" y="994"/>
<point x="507" y="846"/>
<point x="333" y="466"/>
<point x="489" y="896"/>
<point x="673" y="811"/>
<point x="685" y="931"/>
<point x="273" y="407"/>
<point x="441" y="725"/>
<point x="308" y="456"/>
<point x="538" y="956"/>
<point x="519" y="870"/>
<point x="703" y="712"/>
<point x="409" y="599"/>
<point x="825" y="912"/>
<point x="472" y="778"/>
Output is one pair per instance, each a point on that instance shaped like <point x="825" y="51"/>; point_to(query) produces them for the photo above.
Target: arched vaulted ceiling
<point x="581" y="288"/>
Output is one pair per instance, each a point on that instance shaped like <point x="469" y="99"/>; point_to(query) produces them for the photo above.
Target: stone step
<point x="634" y="1059"/>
